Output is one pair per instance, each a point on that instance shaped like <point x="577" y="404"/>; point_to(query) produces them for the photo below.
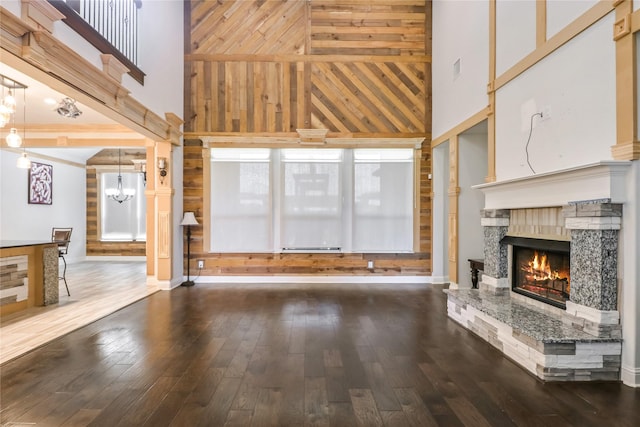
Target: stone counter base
<point x="539" y="341"/>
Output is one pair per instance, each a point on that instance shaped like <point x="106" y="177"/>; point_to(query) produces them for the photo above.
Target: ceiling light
<point x="120" y="194"/>
<point x="13" y="139"/>
<point x="68" y="108"/>
<point x="23" y="161"/>
<point x="10" y="102"/>
<point x="5" y="115"/>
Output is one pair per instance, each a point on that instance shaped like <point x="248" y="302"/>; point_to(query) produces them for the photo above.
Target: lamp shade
<point x="23" y="162"/>
<point x="189" y="219"/>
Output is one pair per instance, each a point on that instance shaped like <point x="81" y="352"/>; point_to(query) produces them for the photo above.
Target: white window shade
<point x="311" y="199"/>
<point x="240" y="201"/>
<point x="123" y="221"/>
<point x="383" y="200"/>
<point x="311" y="216"/>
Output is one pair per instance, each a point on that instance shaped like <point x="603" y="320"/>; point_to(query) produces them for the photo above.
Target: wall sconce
<point x="140" y="166"/>
<point x="162" y="166"/>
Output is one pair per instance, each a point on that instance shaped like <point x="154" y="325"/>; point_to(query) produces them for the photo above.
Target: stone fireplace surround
<point x="583" y="342"/>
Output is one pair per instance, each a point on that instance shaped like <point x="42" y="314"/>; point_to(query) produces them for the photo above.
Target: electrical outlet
<point x="370" y="264"/>
<point x="200" y="264"/>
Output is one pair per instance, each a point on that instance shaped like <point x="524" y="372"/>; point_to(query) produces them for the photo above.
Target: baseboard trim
<point x="116" y="258"/>
<point x="630" y="376"/>
<point x="439" y="279"/>
<point x="313" y="279"/>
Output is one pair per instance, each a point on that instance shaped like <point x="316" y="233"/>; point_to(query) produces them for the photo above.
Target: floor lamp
<point x="189" y="219"/>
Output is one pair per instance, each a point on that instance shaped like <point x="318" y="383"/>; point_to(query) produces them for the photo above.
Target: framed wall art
<point x="40" y="184"/>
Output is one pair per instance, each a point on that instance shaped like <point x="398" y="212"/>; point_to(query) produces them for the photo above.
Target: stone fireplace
<point x="548" y="298"/>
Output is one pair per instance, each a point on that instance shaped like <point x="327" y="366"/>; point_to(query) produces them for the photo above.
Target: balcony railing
<point x="109" y="25"/>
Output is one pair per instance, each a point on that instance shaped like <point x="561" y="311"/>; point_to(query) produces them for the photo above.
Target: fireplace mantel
<point x="602" y="180"/>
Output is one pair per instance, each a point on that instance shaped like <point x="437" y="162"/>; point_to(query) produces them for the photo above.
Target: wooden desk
<point x="28" y="274"/>
<point x="476" y="265"/>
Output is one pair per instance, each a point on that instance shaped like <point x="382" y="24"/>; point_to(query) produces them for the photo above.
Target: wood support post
<point x="164" y="211"/>
<point x="627" y="145"/>
<point x="454" y="192"/>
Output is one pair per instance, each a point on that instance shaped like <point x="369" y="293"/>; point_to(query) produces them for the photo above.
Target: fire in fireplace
<point x="541" y="269"/>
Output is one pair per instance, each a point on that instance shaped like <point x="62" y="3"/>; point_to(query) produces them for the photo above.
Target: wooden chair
<point x="62" y="236"/>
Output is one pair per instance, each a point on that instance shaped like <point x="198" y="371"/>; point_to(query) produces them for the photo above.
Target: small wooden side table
<point x="475" y="265"/>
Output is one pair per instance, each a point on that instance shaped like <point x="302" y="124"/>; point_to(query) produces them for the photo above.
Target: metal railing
<point x="115" y="20"/>
<point x="114" y="23"/>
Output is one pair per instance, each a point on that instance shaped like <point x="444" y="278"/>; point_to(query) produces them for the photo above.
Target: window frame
<point x="409" y="143"/>
<point x="101" y="199"/>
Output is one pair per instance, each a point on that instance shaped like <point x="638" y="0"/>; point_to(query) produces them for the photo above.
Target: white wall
<point x="161" y="57"/>
<point x="20" y="220"/>
<point x="561" y="13"/>
<point x="472" y="150"/>
<point x="460" y="31"/>
<point x="440" y="212"/>
<point x="515" y="32"/>
<point x="576" y="84"/>
<point x="629" y="276"/>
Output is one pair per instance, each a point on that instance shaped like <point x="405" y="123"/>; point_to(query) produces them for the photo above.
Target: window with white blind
<point x="311" y="200"/>
<point x="311" y="213"/>
<point x="241" y="194"/>
<point x="383" y="200"/>
<point x="123" y="222"/>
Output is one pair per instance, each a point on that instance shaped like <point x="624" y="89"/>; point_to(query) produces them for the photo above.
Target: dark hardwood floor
<point x="284" y="355"/>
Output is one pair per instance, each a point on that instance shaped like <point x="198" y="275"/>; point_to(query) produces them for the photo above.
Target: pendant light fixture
<point x="8" y="106"/>
<point x="23" y="161"/>
<point x="120" y="194"/>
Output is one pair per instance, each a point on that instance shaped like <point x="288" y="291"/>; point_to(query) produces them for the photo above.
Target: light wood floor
<point x="97" y="289"/>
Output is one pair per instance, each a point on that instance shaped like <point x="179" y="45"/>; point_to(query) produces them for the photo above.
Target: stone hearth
<point x="579" y="343"/>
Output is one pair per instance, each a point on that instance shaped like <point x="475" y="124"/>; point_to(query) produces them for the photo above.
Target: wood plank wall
<point x="95" y="247"/>
<point x="256" y="68"/>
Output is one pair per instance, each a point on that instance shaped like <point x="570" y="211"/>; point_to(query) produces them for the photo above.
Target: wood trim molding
<point x="584" y="21"/>
<point x="36" y="141"/>
<point x="409" y="59"/>
<point x="622" y="27"/>
<point x="626" y="147"/>
<point x="417" y="191"/>
<point x="463" y="126"/>
<point x="206" y="199"/>
<point x="453" y="193"/>
<point x="41" y="14"/>
<point x="164" y="234"/>
<point x="541" y="23"/>
<point x="626" y="151"/>
<point x="491" y="117"/>
<point x="635" y="21"/>
<point x="150" y="194"/>
<point x="312" y="136"/>
<point x="293" y="141"/>
<point x="33" y="155"/>
<point x="112" y="67"/>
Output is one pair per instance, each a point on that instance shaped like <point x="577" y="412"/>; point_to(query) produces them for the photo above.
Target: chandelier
<point x="120" y="194"/>
<point x="8" y="107"/>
